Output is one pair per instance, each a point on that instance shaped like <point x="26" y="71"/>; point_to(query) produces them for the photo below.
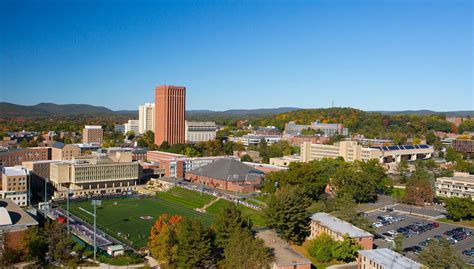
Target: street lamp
<point x="67" y="207"/>
<point x="95" y="203"/>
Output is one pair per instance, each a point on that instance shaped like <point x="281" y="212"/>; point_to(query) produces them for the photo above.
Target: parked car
<point x="468" y="252"/>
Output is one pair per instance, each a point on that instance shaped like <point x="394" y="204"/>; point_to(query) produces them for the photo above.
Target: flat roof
<point x="285" y="255"/>
<point x="390" y="259"/>
<point x="466" y="179"/>
<point x="339" y="225"/>
<point x="14" y="171"/>
<point x="18" y="216"/>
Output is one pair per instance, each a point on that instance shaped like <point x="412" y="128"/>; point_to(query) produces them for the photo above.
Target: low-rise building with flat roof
<point x="285" y="256"/>
<point x="285" y="160"/>
<point x="384" y="258"/>
<point x="14" y="222"/>
<point x="95" y="175"/>
<point x="461" y="185"/>
<point x="337" y="229"/>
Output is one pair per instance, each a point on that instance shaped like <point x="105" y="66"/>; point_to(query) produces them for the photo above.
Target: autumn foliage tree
<point x="163" y="239"/>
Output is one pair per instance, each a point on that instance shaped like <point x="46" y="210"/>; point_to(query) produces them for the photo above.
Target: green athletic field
<point x="122" y="215"/>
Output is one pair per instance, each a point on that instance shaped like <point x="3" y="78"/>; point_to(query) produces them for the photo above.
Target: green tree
<point x="35" y="244"/>
<point x="452" y="155"/>
<point x="419" y="188"/>
<point x="439" y="254"/>
<point x="459" y="208"/>
<point x="286" y="213"/>
<point x="59" y="243"/>
<point x="431" y="138"/>
<point x="402" y="169"/>
<point x="194" y="244"/>
<point x="24" y="143"/>
<point x="322" y="247"/>
<point x="346" y="250"/>
<point x="243" y="251"/>
<point x="246" y="158"/>
<point x="227" y="220"/>
<point x="398" y="240"/>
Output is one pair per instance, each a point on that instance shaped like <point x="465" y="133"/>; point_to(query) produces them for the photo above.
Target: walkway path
<point x="203" y="209"/>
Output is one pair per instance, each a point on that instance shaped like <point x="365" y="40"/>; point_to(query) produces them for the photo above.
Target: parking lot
<point x="416" y="239"/>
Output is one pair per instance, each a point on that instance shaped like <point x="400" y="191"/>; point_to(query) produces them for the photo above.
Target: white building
<point x="131" y="125"/>
<point x="384" y="258"/>
<point x="197" y="131"/>
<point x="351" y="151"/>
<point x="146" y="118"/>
<point x="252" y="139"/>
<point x="461" y="185"/>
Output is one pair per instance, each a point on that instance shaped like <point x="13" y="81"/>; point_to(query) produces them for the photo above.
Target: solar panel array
<point x="403" y="147"/>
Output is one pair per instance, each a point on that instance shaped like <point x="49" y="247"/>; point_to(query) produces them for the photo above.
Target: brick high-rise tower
<point x="170" y="104"/>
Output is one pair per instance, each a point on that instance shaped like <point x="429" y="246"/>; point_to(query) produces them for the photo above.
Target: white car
<point x="377" y="225"/>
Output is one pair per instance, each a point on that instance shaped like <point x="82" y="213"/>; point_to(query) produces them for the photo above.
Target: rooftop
<point x="284" y="254"/>
<point x="227" y="169"/>
<point x="92" y="127"/>
<point x="338" y="225"/>
<point x="14" y="171"/>
<point x="390" y="259"/>
<point x="461" y="177"/>
<point x="17" y="216"/>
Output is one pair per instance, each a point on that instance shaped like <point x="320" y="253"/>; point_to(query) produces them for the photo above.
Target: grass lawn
<point x="469" y="223"/>
<point x="254" y="215"/>
<point x="397" y="193"/>
<point x="261" y="198"/>
<point x="186" y="198"/>
<point x="124" y="217"/>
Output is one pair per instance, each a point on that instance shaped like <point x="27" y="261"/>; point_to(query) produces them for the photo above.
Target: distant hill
<point x="41" y="110"/>
<point x="460" y="113"/>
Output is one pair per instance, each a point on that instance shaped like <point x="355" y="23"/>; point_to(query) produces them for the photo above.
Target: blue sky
<point x="372" y="55"/>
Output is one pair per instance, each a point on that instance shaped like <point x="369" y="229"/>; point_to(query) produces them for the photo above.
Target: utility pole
<point x="95" y="203"/>
<point x="67" y="206"/>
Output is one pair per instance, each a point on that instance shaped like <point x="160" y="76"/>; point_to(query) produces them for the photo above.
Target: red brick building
<point x="170" y="105"/>
<point x="16" y="157"/>
<point x="227" y="174"/>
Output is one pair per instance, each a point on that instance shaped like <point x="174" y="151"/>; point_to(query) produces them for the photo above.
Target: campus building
<point x="351" y="151"/>
<point x="327" y="129"/>
<point x="253" y="139"/>
<point x="464" y="146"/>
<point x="92" y="134"/>
<point x="227" y="174"/>
<point x="17" y="156"/>
<point x="64" y="152"/>
<point x="384" y="258"/>
<point x="176" y="165"/>
<point x="95" y="175"/>
<point x="337" y="229"/>
<point x="198" y="131"/>
<point x="15" y="185"/>
<point x="461" y="185"/>
<point x="146" y="118"/>
<point x="14" y="224"/>
<point x="170" y="105"/>
<point x="285" y="160"/>
<point x="132" y="126"/>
